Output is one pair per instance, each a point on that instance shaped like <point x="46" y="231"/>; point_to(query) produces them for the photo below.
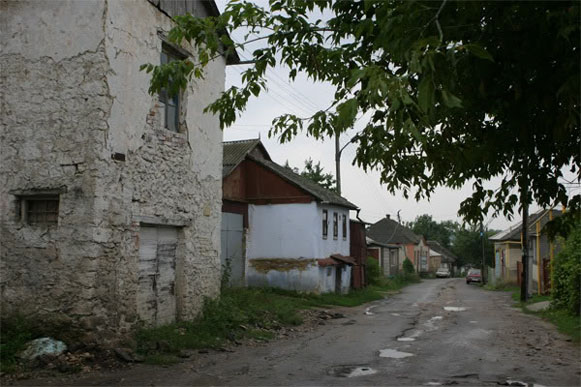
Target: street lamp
<point x="338" y="151"/>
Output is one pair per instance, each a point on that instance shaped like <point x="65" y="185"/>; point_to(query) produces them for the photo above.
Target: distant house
<point x="441" y="257"/>
<point x="414" y="247"/>
<point x="508" y="253"/>
<point x="358" y="249"/>
<point x="280" y="229"/>
<point x="387" y="255"/>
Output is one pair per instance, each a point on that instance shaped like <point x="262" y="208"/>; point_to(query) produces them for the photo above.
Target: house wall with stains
<point x="79" y="123"/>
<point x="284" y="242"/>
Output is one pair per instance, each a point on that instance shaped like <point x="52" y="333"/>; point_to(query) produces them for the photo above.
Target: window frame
<point x="335" y="225"/>
<point x="27" y="214"/>
<point x="171" y="54"/>
<point x="325" y="224"/>
<point x="344" y="226"/>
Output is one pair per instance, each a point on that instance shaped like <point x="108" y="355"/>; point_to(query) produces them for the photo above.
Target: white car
<point x="443" y="272"/>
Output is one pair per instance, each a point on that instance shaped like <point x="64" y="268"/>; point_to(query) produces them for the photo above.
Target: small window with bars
<point x="335" y="225"/>
<point x="40" y="210"/>
<point x="344" y="226"/>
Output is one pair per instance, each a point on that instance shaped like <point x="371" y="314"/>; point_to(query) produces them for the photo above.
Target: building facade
<point x="110" y="197"/>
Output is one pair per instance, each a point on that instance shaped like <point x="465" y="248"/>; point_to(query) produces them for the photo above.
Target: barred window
<point x="325" y="223"/>
<point x="40" y="210"/>
<point x="335" y="225"/>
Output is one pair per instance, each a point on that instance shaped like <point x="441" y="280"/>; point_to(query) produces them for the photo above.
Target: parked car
<point x="443" y="272"/>
<point x="473" y="276"/>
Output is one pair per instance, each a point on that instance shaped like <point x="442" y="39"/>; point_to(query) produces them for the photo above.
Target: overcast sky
<point x="303" y="98"/>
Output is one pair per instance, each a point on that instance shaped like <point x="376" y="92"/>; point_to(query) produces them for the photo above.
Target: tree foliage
<point x="566" y="274"/>
<point x="316" y="173"/>
<point x="468" y="246"/>
<point x="456" y="91"/>
<point x="432" y="230"/>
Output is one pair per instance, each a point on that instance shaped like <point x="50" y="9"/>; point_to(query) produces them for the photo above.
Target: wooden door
<point x="156" y="300"/>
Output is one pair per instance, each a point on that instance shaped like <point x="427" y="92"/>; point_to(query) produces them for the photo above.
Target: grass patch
<point x="248" y="313"/>
<point x="565" y="322"/>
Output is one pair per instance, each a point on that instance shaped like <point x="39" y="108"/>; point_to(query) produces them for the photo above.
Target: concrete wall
<point x="73" y="96"/>
<point x="284" y="241"/>
<point x="306" y="276"/>
<point x="294" y="231"/>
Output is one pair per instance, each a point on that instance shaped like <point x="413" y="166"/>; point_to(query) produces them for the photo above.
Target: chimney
<point x="387" y="216"/>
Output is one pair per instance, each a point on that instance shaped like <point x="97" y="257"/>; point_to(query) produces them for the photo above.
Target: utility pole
<point x="338" y="151"/>
<point x="484" y="271"/>
<point x="338" y="163"/>
<point x="525" y="259"/>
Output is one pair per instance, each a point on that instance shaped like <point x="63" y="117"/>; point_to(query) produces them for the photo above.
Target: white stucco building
<point x="292" y="233"/>
<point x="110" y="198"/>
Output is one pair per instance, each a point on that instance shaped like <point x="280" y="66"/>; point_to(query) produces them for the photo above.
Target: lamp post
<point x="338" y="151"/>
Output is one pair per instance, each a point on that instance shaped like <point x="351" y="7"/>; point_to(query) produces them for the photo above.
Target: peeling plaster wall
<point x="73" y="95"/>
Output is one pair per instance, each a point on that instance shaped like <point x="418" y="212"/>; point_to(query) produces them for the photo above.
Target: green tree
<point x="432" y="230"/>
<point x="566" y="275"/>
<point x="316" y="173"/>
<point x="468" y="246"/>
<point x="456" y="91"/>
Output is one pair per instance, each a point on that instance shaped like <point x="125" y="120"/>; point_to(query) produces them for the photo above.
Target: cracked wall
<point x="73" y="98"/>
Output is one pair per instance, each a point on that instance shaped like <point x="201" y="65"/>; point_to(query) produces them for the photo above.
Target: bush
<point x="374" y="275"/>
<point x="408" y="266"/>
<point x="567" y="274"/>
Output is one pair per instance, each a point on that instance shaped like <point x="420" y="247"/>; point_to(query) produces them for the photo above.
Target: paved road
<point x="439" y="332"/>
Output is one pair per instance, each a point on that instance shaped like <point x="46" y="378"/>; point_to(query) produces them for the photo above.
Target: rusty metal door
<point x="232" y="254"/>
<point x="156" y="300"/>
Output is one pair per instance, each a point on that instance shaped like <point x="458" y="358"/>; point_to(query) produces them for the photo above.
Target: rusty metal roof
<point x="236" y="151"/>
<point x="319" y="192"/>
<point x="389" y="231"/>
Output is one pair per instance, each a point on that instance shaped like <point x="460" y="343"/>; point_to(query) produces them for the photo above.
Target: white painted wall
<point x="294" y="231"/>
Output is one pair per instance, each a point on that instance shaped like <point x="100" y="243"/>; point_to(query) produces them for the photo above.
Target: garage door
<point x="232" y="256"/>
<point x="156" y="300"/>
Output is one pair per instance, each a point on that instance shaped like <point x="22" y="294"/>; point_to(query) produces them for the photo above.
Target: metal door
<point x="156" y="301"/>
<point x="232" y="255"/>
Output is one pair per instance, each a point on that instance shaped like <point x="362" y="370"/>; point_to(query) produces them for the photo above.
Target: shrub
<point x="567" y="274"/>
<point x="374" y="275"/>
<point x="408" y="266"/>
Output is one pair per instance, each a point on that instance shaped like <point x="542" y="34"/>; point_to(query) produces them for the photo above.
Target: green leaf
<point x="479" y="51"/>
<point x="451" y="100"/>
<point x="426" y="93"/>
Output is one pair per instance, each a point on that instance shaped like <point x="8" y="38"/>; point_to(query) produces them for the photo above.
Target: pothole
<point x="406" y="339"/>
<point x="348" y="371"/>
<point x="396" y="314"/>
<point x="454" y="308"/>
<point x="394" y="354"/>
<point x="368" y="312"/>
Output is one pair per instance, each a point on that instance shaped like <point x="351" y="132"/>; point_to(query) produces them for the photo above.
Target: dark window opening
<point x="335" y="226"/>
<point x="170" y="105"/>
<point x="344" y="226"/>
<point x="325" y="224"/>
<point x="40" y="210"/>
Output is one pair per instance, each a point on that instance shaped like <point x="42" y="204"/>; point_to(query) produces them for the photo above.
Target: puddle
<point x="454" y="308"/>
<point x="352" y="371"/>
<point x="473" y="322"/>
<point x="394" y="354"/>
<point x="368" y="312"/>
<point x="430" y="323"/>
<point x="433" y="384"/>
<point x="396" y="314"/>
<point x="406" y="339"/>
<point x="415" y="304"/>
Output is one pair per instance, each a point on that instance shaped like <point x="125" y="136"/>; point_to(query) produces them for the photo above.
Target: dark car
<point x="473" y="276"/>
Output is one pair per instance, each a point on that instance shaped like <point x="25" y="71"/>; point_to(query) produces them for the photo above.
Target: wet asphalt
<point x="438" y="332"/>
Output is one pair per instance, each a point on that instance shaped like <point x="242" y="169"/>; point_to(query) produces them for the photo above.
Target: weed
<point x="249" y="313"/>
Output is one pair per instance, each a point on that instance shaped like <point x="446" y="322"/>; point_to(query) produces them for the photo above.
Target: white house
<point x="110" y="198"/>
<point x="290" y="232"/>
